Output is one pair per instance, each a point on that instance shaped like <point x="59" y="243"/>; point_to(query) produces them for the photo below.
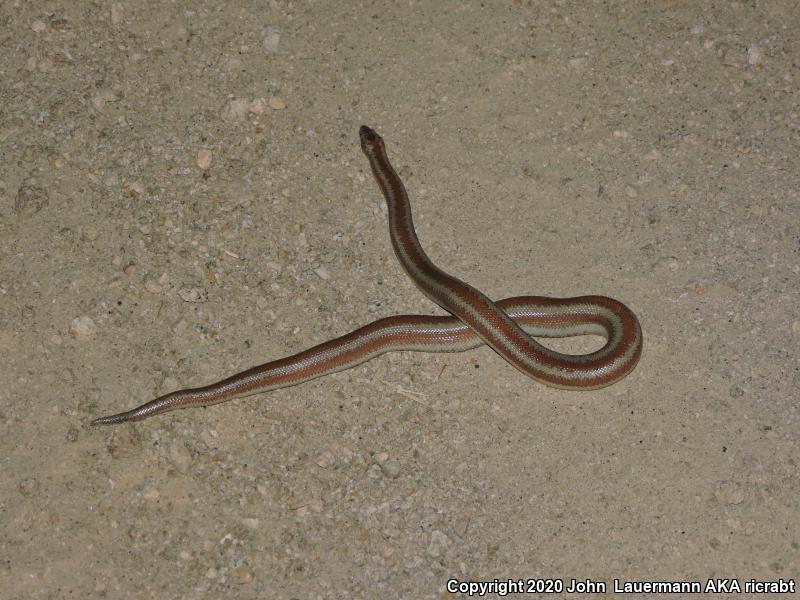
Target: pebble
<point x="271" y="39"/>
<point x="89" y="233"/>
<point x="204" y="159"/>
<point x="152" y="286"/>
<point x="322" y="273"/>
<point x="30" y="199"/>
<point x="104" y="97"/>
<point x="235" y="110"/>
<point x="251" y="522"/>
<point x="193" y="294"/>
<point x="276" y="103"/>
<point x="28" y="487"/>
<point x="82" y="327"/>
<point x="325" y="459"/>
<point x="151" y="494"/>
<point x="754" y="55"/>
<point x="242" y="574"/>
<point x="391" y="468"/>
<point x="257" y="106"/>
<point x="38" y="26"/>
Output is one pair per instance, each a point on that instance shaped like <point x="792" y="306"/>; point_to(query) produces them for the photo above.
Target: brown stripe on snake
<point x="508" y="326"/>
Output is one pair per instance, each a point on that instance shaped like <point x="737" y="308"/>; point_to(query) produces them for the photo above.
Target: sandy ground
<point x="182" y="195"/>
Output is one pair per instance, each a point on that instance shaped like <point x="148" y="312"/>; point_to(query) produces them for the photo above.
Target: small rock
<point x="204" y="159"/>
<point x="276" y="103"/>
<point x="391" y="468"/>
<point x="104" y="97"/>
<point x="135" y="187"/>
<point x="151" y="494"/>
<point x="30" y="199"/>
<point x="754" y="55"/>
<point x="193" y="294"/>
<point x="242" y="574"/>
<point x="38" y="26"/>
<point x="82" y="327"/>
<point x="152" y="286"/>
<point x="251" y="522"/>
<point x="322" y="273"/>
<point x="234" y="110"/>
<point x="325" y="459"/>
<point x="89" y="233"/>
<point x="271" y="39"/>
<point x="257" y="106"/>
<point x="28" y="487"/>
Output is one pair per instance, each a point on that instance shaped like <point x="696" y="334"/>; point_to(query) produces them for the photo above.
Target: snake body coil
<point x="508" y="326"/>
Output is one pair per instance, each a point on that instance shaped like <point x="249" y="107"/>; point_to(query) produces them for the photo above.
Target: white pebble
<point x="152" y="286"/>
<point x="38" y="26"/>
<point x="322" y="273"/>
<point x="276" y="103"/>
<point x="271" y="39"/>
<point x="204" y="159"/>
<point x="82" y="327"/>
<point x="257" y="106"/>
<point x="754" y="55"/>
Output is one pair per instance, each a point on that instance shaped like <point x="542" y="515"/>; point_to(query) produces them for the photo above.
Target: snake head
<point x="369" y="139"/>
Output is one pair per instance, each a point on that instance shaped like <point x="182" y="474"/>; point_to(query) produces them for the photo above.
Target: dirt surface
<point x="182" y="196"/>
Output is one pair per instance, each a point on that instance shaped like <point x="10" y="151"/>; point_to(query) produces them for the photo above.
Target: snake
<point x="508" y="326"/>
